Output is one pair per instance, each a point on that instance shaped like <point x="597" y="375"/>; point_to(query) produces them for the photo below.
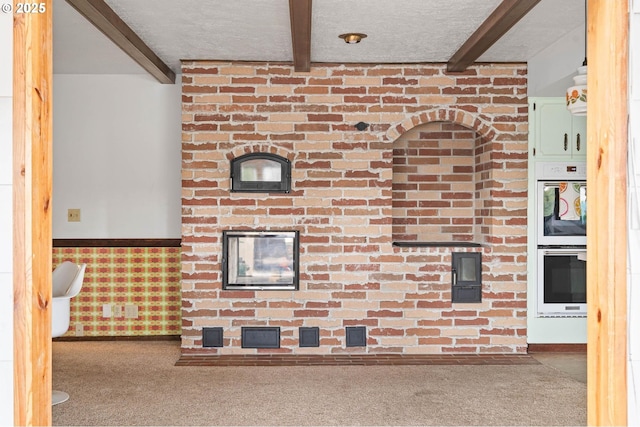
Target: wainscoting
<point x="122" y="274"/>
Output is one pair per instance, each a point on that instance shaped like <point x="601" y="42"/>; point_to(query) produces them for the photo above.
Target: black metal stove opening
<point x="260" y="173"/>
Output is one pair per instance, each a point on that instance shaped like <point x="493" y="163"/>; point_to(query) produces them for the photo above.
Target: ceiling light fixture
<point x="577" y="95"/>
<point x="352" y="38"/>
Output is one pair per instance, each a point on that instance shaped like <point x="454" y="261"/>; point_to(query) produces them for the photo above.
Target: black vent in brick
<point x="356" y="336"/>
<point x="466" y="294"/>
<point x="309" y="337"/>
<point x="260" y="337"/>
<point x="212" y="337"/>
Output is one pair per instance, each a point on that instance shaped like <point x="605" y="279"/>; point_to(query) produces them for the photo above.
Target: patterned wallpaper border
<point x="116" y="243"/>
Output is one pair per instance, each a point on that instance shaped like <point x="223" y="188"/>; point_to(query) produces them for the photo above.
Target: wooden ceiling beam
<point x="495" y="26"/>
<point x="106" y="20"/>
<point x="300" y="14"/>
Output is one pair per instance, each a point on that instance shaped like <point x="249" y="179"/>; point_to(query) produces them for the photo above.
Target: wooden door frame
<point x="607" y="144"/>
<point x="608" y="26"/>
<point x="32" y="181"/>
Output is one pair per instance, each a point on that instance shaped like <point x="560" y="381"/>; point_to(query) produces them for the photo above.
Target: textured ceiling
<point x="259" y="30"/>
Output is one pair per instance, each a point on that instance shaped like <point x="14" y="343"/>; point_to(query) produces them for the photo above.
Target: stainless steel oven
<point x="561" y="239"/>
<point x="562" y="282"/>
<point x="561" y="204"/>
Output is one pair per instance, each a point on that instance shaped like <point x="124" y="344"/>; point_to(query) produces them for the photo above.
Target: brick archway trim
<point x="260" y="148"/>
<point x="462" y="117"/>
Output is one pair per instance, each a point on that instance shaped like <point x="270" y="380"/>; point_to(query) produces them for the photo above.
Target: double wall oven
<point x="561" y="239"/>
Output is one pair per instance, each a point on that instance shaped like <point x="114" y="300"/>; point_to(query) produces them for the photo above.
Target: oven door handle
<point x="575" y="252"/>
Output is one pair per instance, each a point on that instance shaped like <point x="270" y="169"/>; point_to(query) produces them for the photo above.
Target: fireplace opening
<point x="261" y="173"/>
<point x="260" y="260"/>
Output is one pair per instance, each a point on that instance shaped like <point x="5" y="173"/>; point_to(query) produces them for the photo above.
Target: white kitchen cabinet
<point x="557" y="135"/>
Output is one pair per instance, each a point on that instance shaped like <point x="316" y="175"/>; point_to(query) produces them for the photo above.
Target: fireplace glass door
<point x="260" y="260"/>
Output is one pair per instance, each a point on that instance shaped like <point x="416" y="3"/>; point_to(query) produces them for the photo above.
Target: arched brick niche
<point x="434" y="184"/>
<point x="453" y="178"/>
<point x="442" y="180"/>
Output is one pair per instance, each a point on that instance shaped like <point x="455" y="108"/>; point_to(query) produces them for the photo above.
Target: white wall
<point x="551" y="71"/>
<point x="6" y="220"/>
<point x="633" y="280"/>
<point x="116" y="156"/>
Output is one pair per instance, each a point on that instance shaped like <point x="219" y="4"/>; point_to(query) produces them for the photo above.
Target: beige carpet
<point x="137" y="383"/>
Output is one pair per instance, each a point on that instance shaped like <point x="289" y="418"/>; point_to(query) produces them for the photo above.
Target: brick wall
<point x="349" y="200"/>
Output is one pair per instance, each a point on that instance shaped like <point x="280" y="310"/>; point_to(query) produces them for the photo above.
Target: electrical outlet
<point x="117" y="311"/>
<point x="79" y="329"/>
<point x="106" y="310"/>
<point x="73" y="215"/>
<point x="130" y="311"/>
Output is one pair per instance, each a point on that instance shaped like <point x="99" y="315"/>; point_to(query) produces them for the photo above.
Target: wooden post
<point x="32" y="168"/>
<point x="607" y="139"/>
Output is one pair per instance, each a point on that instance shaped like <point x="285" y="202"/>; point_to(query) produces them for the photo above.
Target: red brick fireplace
<point x="441" y="168"/>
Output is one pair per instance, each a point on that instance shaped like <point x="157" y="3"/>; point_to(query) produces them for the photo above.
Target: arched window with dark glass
<point x="260" y="173"/>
